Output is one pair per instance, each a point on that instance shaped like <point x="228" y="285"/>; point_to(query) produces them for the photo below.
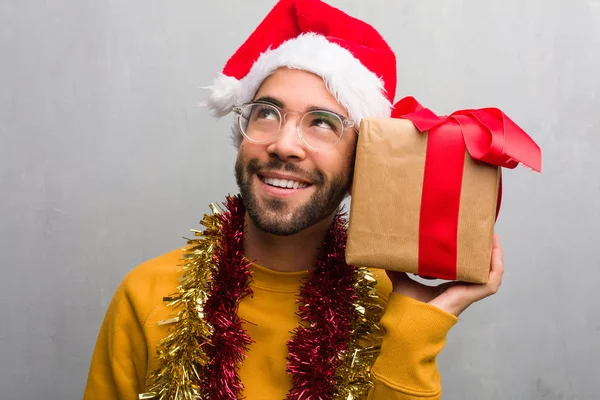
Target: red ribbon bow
<point x="489" y="136"/>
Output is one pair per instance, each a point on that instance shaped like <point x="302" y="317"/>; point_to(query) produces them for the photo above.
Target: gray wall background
<point x="106" y="161"/>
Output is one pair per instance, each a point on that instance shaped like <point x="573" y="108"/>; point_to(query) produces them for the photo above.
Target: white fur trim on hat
<point x="354" y="86"/>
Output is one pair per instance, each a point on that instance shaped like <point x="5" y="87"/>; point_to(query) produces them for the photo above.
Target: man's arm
<point x="126" y="346"/>
<point x="118" y="367"/>
<point x="415" y="333"/>
<point x="416" y="322"/>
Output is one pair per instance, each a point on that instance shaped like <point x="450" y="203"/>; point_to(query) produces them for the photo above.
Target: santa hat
<point x="357" y="65"/>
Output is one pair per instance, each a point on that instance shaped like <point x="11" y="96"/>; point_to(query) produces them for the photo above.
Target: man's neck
<point x="285" y="253"/>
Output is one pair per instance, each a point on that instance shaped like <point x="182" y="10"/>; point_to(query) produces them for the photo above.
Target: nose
<point x="287" y="144"/>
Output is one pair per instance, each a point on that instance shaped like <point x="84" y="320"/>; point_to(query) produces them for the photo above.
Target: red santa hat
<point x="356" y="64"/>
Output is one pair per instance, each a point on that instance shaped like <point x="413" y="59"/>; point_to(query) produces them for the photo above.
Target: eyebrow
<point x="270" y="100"/>
<point x="281" y="104"/>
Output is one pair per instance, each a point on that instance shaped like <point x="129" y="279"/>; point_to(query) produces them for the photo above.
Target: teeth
<point x="285" y="183"/>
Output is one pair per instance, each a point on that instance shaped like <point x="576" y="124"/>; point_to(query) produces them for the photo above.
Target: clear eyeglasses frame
<point x="318" y="129"/>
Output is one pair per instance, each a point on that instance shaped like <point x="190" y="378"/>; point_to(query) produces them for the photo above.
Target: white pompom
<point x="224" y="94"/>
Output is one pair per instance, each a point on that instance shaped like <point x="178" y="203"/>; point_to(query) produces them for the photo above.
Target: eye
<point x="322" y="123"/>
<point x="265" y="112"/>
<point x="324" y="120"/>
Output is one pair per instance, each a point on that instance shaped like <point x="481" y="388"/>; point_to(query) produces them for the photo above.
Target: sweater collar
<point x="276" y="280"/>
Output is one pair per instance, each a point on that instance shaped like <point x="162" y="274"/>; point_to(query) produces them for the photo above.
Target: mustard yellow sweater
<point x="126" y="348"/>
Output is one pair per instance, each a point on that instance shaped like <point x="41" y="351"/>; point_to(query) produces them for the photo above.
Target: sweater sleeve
<point x="415" y="333"/>
<point x="126" y="347"/>
<point x="119" y="362"/>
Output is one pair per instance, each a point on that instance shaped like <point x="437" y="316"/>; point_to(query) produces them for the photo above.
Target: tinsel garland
<point x="338" y="308"/>
<point x="330" y="353"/>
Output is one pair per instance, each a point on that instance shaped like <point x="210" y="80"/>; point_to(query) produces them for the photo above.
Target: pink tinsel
<point x="327" y="313"/>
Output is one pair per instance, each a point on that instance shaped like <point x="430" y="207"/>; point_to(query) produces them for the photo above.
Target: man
<point x="266" y="307"/>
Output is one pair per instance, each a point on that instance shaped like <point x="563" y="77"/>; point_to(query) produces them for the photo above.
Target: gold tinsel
<point x="184" y="348"/>
<point x="353" y="376"/>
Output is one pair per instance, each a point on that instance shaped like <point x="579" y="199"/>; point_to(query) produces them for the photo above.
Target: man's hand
<point x="453" y="297"/>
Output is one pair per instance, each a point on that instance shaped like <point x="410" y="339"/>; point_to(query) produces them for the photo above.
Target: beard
<point x="277" y="216"/>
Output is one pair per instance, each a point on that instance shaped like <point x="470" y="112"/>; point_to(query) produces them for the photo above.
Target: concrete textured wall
<point x="106" y="160"/>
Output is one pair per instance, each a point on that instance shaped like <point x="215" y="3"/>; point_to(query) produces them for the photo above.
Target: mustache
<point x="275" y="164"/>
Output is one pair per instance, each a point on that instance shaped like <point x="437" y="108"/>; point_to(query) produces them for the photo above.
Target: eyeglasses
<point x="317" y="129"/>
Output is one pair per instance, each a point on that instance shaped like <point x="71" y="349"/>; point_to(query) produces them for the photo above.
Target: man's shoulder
<point x="140" y="293"/>
<point x="154" y="278"/>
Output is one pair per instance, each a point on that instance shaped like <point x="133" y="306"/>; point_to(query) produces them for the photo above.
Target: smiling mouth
<point x="283" y="183"/>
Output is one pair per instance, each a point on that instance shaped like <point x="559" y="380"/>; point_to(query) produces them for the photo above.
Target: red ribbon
<point x="489" y="136"/>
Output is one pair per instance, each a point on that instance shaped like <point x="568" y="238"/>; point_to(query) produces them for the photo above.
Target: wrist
<point x="444" y="304"/>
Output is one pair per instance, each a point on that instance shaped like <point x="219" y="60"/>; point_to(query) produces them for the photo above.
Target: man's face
<point x="323" y="176"/>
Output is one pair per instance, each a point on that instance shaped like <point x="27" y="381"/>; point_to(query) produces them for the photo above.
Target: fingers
<point x="496" y="270"/>
<point x="496" y="273"/>
<point x="496" y="242"/>
<point x="455" y="297"/>
<point x="481" y="291"/>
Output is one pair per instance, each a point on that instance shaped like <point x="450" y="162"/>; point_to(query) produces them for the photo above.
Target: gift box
<point x="426" y="190"/>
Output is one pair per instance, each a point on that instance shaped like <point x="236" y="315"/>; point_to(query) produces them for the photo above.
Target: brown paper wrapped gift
<point x="426" y="190"/>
